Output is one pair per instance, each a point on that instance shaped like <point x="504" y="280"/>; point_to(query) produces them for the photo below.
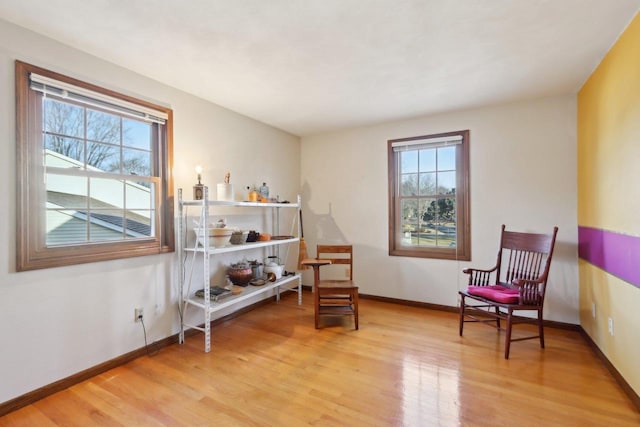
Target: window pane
<point x="136" y="162"/>
<point x="70" y="152"/>
<point x="136" y="134"/>
<point x="428" y="160"/>
<point x="409" y="221"/>
<point x="65" y="227"/>
<point x="67" y="207"/>
<point x="140" y="195"/>
<point x="106" y="224"/>
<point x="409" y="185"/>
<point x="436" y="234"/>
<point x="408" y="161"/>
<point x="139" y="223"/>
<point x="430" y="210"/>
<point x="446" y="158"/>
<point x="66" y="191"/>
<point x="439" y="210"/>
<point x="62" y="118"/>
<point x="427" y="184"/>
<point x="445" y="222"/>
<point x="423" y="237"/>
<point x="451" y="233"/>
<point x="447" y="210"/>
<point x="446" y="182"/>
<point x="103" y="127"/>
<point x="103" y="157"/>
<point x="106" y="193"/>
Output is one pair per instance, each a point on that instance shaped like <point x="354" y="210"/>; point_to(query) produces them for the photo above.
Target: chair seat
<point x="337" y="289"/>
<point x="496" y="293"/>
<point x="337" y="284"/>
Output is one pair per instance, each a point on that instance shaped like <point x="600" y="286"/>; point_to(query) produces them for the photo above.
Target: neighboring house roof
<point x="136" y="225"/>
<point x="103" y="208"/>
<point x="132" y="226"/>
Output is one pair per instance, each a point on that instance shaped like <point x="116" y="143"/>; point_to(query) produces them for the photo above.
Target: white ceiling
<point x="310" y="66"/>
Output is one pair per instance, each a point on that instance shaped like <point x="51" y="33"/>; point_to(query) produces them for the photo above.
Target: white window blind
<point x="422" y="143"/>
<point x="50" y="86"/>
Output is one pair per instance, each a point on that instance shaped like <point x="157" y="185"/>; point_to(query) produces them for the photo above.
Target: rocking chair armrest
<point x="478" y="277"/>
<point x="530" y="290"/>
<point x="526" y="283"/>
<point x="477" y="270"/>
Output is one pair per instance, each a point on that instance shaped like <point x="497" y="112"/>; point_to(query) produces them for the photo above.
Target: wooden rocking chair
<point x="524" y="259"/>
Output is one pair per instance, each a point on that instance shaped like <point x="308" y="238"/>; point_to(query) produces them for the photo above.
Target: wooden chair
<point x="336" y="296"/>
<point x="517" y="282"/>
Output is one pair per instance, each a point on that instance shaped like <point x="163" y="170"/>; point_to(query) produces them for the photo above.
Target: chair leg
<point x="498" y="317"/>
<point x="507" y="340"/>
<point x="540" y="328"/>
<point x="316" y="307"/>
<point x="461" y="313"/>
<point x="355" y="310"/>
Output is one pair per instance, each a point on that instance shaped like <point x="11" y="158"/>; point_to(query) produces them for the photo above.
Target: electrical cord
<point x="146" y="346"/>
<point x="187" y="276"/>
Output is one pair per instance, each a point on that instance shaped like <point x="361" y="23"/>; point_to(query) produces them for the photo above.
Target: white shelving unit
<point x="197" y="256"/>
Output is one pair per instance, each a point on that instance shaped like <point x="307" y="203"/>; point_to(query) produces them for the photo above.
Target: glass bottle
<point x="264" y="192"/>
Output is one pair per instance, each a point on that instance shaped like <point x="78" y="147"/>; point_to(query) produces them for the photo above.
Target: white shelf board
<point x="239" y="204"/>
<point x="243" y="247"/>
<point x="247" y="292"/>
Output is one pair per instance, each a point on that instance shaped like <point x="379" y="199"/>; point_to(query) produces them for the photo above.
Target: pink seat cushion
<point x="496" y="293"/>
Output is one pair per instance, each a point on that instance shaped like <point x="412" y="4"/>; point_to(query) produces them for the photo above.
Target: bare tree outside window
<point x="107" y="140"/>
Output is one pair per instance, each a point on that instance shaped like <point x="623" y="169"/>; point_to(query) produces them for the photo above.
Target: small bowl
<point x="238" y="237"/>
<point x="240" y="276"/>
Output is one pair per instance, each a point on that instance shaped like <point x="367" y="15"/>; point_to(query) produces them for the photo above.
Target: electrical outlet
<point x="346" y="273"/>
<point x="593" y="310"/>
<point x="138" y="313"/>
<point x="610" y="326"/>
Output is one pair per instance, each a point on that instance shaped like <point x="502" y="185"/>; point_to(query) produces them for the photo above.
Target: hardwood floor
<point x="406" y="366"/>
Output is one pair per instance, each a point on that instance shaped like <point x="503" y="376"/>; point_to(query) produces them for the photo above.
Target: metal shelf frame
<point x="187" y="299"/>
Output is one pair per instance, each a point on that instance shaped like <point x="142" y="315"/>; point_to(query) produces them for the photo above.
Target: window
<point x="93" y="171"/>
<point x="429" y="196"/>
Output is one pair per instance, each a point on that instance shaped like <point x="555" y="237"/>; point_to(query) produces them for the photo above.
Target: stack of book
<point x="216" y="293"/>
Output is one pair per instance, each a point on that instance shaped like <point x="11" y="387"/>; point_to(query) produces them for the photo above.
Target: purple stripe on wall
<point x="617" y="254"/>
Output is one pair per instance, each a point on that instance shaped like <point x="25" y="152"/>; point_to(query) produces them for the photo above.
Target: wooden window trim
<point x="31" y="252"/>
<point x="462" y="251"/>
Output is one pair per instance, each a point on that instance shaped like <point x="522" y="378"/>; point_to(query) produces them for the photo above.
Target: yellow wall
<point x="609" y="195"/>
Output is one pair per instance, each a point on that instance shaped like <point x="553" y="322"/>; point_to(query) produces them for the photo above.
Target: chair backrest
<point x="338" y="254"/>
<point x="525" y="256"/>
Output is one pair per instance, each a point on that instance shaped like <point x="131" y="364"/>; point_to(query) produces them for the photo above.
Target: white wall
<point x="523" y="174"/>
<point x="59" y="321"/>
